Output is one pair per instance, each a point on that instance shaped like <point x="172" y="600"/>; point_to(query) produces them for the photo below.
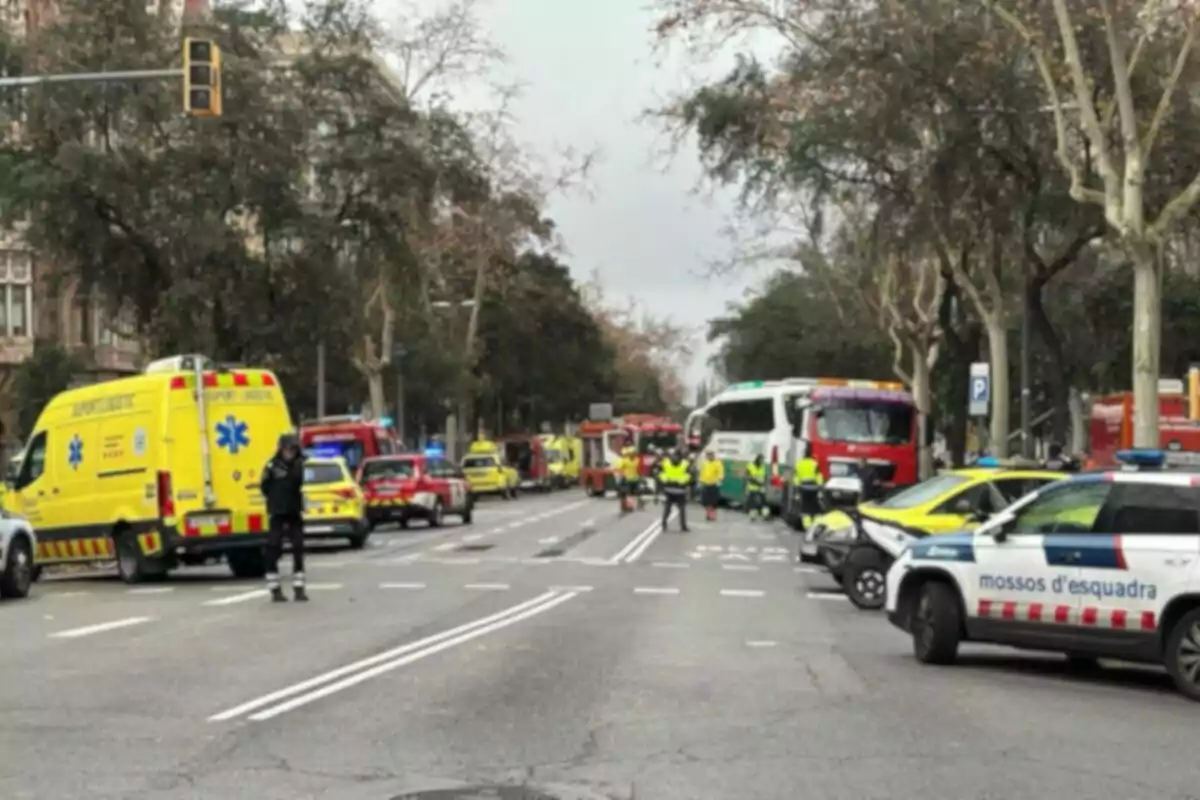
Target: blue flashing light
<point x="385" y="422"/>
<point x="988" y="461"/>
<point x="324" y="452"/>
<point x="435" y="452"/>
<point x="1145" y="458"/>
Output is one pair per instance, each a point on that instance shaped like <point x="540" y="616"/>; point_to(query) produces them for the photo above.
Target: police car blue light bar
<point x="434" y="452"/>
<point x="988" y="461"/>
<point x="1142" y="457"/>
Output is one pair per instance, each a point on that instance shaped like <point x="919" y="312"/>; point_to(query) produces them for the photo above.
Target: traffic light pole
<point x="90" y="77"/>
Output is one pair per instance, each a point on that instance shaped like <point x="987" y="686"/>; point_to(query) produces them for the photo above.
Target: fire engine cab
<point x="604" y="440"/>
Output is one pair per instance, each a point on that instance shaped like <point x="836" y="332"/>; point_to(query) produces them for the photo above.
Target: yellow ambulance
<point x="155" y="470"/>
<point x="486" y="471"/>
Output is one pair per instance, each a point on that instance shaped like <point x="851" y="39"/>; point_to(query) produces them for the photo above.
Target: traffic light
<point x="201" y="77"/>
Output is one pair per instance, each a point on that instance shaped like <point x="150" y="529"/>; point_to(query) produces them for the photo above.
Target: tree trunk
<point x="375" y="389"/>
<point x="998" y="356"/>
<point x="1059" y="376"/>
<point x="1147" y="340"/>
<point x="922" y="393"/>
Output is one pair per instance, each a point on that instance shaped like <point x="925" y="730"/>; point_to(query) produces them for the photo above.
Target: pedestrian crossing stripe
<point x="67" y="549"/>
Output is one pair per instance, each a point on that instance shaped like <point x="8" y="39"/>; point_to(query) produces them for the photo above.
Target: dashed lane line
<point x="151" y="590"/>
<point x="656" y="590"/>
<point x="402" y="586"/>
<point x="740" y="567"/>
<point x="670" y="565"/>
<point x="742" y="592"/>
<point x="488" y="587"/>
<point x="236" y="598"/>
<point x="74" y="633"/>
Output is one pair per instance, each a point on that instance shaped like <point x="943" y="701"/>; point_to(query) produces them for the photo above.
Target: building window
<point x="16" y="278"/>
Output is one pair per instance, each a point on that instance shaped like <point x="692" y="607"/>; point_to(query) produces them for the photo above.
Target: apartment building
<point x="37" y="301"/>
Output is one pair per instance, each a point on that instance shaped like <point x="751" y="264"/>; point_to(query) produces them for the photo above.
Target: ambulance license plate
<point x="205" y="520"/>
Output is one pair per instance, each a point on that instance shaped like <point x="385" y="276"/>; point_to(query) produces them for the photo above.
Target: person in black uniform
<point x="675" y="474"/>
<point x="283" y="488"/>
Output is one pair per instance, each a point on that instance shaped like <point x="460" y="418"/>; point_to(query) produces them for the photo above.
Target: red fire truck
<point x="604" y="440"/>
<point x="1110" y="427"/>
<point x="348" y="437"/>
<point x="526" y="452"/>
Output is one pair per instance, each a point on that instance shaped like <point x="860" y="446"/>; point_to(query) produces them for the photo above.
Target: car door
<point x="1014" y="488"/>
<point x="1144" y="550"/>
<point x="449" y="486"/>
<point x="1026" y="563"/>
<point x="31" y="484"/>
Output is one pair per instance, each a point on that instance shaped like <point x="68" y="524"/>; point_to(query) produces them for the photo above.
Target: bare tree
<point x="1108" y="170"/>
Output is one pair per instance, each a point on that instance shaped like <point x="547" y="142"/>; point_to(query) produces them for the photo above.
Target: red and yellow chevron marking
<point x="253" y="379"/>
<point x="241" y="522"/>
<point x="150" y="543"/>
<point x="387" y="502"/>
<point x="75" y="549"/>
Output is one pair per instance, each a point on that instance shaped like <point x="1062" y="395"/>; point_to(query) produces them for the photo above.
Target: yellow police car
<point x="487" y="473"/>
<point x="334" y="507"/>
<point x="952" y="501"/>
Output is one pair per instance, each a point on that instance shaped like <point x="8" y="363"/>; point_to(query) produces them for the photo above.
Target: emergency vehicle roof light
<point x="434" y="452"/>
<point x="988" y="461"/>
<point x="1145" y="458"/>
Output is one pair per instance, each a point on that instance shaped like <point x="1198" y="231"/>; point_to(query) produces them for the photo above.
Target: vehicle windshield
<point x="323" y="473"/>
<point x="923" y="493"/>
<point x="865" y="422"/>
<point x="389" y="468"/>
<point x="662" y="441"/>
<point x="350" y="451"/>
<point x="476" y="462"/>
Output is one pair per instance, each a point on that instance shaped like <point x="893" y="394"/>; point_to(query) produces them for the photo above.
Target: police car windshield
<point x="389" y="468"/>
<point x="323" y="473"/>
<point x="923" y="493"/>
<point x="477" y="461"/>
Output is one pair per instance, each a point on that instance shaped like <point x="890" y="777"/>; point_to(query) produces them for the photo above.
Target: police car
<point x="1103" y="564"/>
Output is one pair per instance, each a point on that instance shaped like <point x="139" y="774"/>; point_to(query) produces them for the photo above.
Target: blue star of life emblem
<point x="75" y="452"/>
<point x="232" y="434"/>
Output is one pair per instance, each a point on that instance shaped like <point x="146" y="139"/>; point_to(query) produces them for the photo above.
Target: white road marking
<point x="548" y="540"/>
<point x="151" y="590"/>
<point x="576" y="589"/>
<point x="401" y="586"/>
<point x="670" y="565"/>
<point x="740" y="567"/>
<point x="806" y="570"/>
<point x="66" y="594"/>
<point x="236" y="598"/>
<point x="324" y="587"/>
<point x="656" y="590"/>
<point x="368" y="668"/>
<point x="760" y="643"/>
<point x="742" y="592"/>
<point x="474" y="537"/>
<point x="75" y="633"/>
<point x="442" y="548"/>
<point x="634" y="548"/>
<point x="497" y="530"/>
<point x="488" y="587"/>
<point x="826" y="596"/>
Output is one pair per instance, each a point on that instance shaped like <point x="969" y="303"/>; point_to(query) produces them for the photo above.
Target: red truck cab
<point x="350" y="438"/>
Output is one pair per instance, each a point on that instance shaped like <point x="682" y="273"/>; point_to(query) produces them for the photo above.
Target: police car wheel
<point x="18" y="570"/>
<point x="865" y="578"/>
<point x="936" y="624"/>
<point x="1183" y="654"/>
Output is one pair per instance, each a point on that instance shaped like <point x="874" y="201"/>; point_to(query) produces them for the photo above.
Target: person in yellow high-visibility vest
<point x="675" y="474"/>
<point x="712" y="474"/>
<point x="806" y="483"/>
<point x="756" y="488"/>
<point x="627" y="467"/>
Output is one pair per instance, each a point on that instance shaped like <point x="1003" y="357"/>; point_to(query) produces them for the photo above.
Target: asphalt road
<point x="553" y="646"/>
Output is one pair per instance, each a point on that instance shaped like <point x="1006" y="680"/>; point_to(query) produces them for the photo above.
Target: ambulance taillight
<point x="166" y="496"/>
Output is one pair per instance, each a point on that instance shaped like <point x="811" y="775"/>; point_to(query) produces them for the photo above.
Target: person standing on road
<point x="675" y="474"/>
<point x="627" y="477"/>
<point x="756" y="489"/>
<point x="807" y="483"/>
<point x="283" y="488"/>
<point x="712" y="474"/>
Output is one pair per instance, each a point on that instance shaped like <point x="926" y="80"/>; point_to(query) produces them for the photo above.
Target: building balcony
<point x="15" y="350"/>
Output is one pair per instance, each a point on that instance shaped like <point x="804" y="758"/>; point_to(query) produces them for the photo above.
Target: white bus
<point x="856" y="419"/>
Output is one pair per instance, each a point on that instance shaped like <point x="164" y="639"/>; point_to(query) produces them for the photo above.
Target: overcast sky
<point x="589" y="71"/>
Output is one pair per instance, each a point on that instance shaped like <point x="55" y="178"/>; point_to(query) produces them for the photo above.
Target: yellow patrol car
<point x="486" y="471"/>
<point x="334" y="507"/>
<point x="155" y="470"/>
<point x="952" y="501"/>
